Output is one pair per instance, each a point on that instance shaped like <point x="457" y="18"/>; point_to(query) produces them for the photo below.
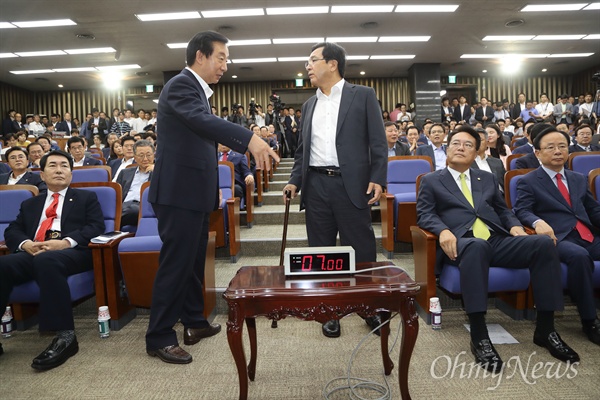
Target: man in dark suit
<point x="110" y="139"/>
<point x="341" y="160"/>
<point x="485" y="113"/>
<point x="119" y="164"/>
<point x="583" y="136"/>
<point x="243" y="175"/>
<point x="7" y="123"/>
<point x="184" y="191"/>
<point x="48" y="242"/>
<point x="527" y="161"/>
<point x="557" y="203"/>
<point x="76" y="146"/>
<point x="96" y="125"/>
<point x="437" y="150"/>
<point x="20" y="175"/>
<point x="462" y="113"/>
<point x="395" y="148"/>
<point x="446" y="110"/>
<point x="486" y="163"/>
<point x="519" y="106"/>
<point x="66" y="125"/>
<point x="132" y="179"/>
<point x="466" y="210"/>
<point x="17" y="123"/>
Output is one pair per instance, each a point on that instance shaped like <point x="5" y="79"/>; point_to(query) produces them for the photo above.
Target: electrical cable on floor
<point x="353" y="383"/>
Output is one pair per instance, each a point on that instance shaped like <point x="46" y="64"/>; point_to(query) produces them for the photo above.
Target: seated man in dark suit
<point x="466" y="210"/>
<point x="395" y="148"/>
<point x="76" y="147"/>
<point x="487" y="163"/>
<point x="20" y="175"/>
<point x="36" y="152"/>
<point x="557" y="203"/>
<point x="527" y="146"/>
<point x="4" y="168"/>
<point x="583" y="135"/>
<point x="119" y="164"/>
<point x="243" y="174"/>
<point x="437" y="150"/>
<point x="49" y="242"/>
<point x="131" y="180"/>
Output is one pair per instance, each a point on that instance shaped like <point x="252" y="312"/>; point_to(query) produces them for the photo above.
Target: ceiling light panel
<point x="118" y="67"/>
<point x="298" y="40"/>
<point x="357" y="57"/>
<point x="397" y="39"/>
<point x="6" y="25"/>
<point x="288" y="59"/>
<point x="358" y="39"/>
<point x="177" y="45"/>
<point x="253" y="60"/>
<point x="558" y="37"/>
<point x="427" y="8"/>
<point x="507" y="37"/>
<point x="83" y="69"/>
<point x="248" y="42"/>
<point x="570" y="55"/>
<point x="553" y="7"/>
<point x="592" y="37"/>
<point x="40" y="24"/>
<point x="297" y="10"/>
<point x="32" y="71"/>
<point x="168" y="16"/>
<point x="91" y="51"/>
<point x="41" y="53"/>
<point x="361" y="9"/>
<point x="8" y="55"/>
<point x="245" y="12"/>
<point x="394" y="57"/>
<point x="593" y="6"/>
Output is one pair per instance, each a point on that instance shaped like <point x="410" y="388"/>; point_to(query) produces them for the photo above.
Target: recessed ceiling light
<point x="520" y="56"/>
<point x="299" y="74"/>
<point x="234" y="76"/>
<point x="558" y="37"/>
<point x="245" y="12"/>
<point x="60" y="85"/>
<point x="297" y="10"/>
<point x="82" y="69"/>
<point x="362" y="72"/>
<point x="6" y="25"/>
<point x="168" y="16"/>
<point x="91" y="51"/>
<point x="356" y="39"/>
<point x="570" y="55"/>
<point x="41" y="53"/>
<point x="544" y="70"/>
<point x="287" y="59"/>
<point x="40" y="24"/>
<point x="117" y="67"/>
<point x="394" y="57"/>
<point x="8" y="55"/>
<point x="593" y="6"/>
<point x="428" y="8"/>
<point x="32" y="71"/>
<point x="177" y="45"/>
<point x="248" y="42"/>
<point x="253" y="60"/>
<point x="391" y="39"/>
<point x="592" y="37"/>
<point x="361" y="9"/>
<point x="484" y="71"/>
<point x="298" y="40"/>
<point x="507" y="37"/>
<point x="553" y="7"/>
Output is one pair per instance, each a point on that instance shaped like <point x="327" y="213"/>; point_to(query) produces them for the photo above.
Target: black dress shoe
<point x="56" y="354"/>
<point x="556" y="347"/>
<point x="374" y="322"/>
<point x="332" y="328"/>
<point x="193" y="335"/>
<point x="486" y="355"/>
<point x="1" y="349"/>
<point x="592" y="332"/>
<point x="172" y="354"/>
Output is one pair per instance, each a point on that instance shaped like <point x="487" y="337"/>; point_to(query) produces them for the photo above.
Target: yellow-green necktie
<point x="479" y="229"/>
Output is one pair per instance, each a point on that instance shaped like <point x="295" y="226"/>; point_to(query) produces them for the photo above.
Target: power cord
<point x="353" y="383"/>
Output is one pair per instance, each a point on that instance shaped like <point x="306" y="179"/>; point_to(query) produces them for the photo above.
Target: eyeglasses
<point x="311" y="61"/>
<point x="127" y="146"/>
<point x="142" y="156"/>
<point x="467" y="145"/>
<point x="552" y="148"/>
<point x="15" y="157"/>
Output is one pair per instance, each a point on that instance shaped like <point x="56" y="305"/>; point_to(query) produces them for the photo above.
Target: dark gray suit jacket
<point x="427" y="150"/>
<point x="401" y="149"/>
<point x="360" y="141"/>
<point x="125" y="179"/>
<point x="497" y="167"/>
<point x="28" y="179"/>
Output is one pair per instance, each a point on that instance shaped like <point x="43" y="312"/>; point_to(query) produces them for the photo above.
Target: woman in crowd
<point x="386" y="115"/>
<point x="116" y="151"/>
<point x="496" y="146"/>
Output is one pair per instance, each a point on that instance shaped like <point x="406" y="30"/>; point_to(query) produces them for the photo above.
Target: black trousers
<point x="130" y="214"/>
<point x="536" y="252"/>
<point x="50" y="270"/>
<point x="177" y="291"/>
<point x="329" y="211"/>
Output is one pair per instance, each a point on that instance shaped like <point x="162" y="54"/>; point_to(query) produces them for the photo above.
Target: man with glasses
<point x="341" y="160"/>
<point x="20" y="175"/>
<point x="437" y="150"/>
<point x="583" y="135"/>
<point x="36" y="152"/>
<point x="131" y="180"/>
<point x="466" y="210"/>
<point x="76" y="147"/>
<point x="557" y="203"/>
<point x="120" y="164"/>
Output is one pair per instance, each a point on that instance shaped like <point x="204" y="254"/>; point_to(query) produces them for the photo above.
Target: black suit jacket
<point x="240" y="166"/>
<point x="527" y="161"/>
<point x="489" y="113"/>
<point x="516" y="111"/>
<point x="401" y="149"/>
<point x="17" y="126"/>
<point x="91" y="161"/>
<point x="576" y="149"/>
<point x="114" y="165"/>
<point x="466" y="115"/>
<point x="28" y="179"/>
<point x="497" y="167"/>
<point x="81" y="219"/>
<point x="62" y="126"/>
<point x="125" y="179"/>
<point x="427" y="150"/>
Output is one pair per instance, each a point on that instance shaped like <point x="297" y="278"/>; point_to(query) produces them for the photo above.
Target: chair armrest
<point x="233" y="228"/>
<point x="424" y="251"/>
<point x="249" y="204"/>
<point x="111" y="243"/>
<point x="386" y="205"/>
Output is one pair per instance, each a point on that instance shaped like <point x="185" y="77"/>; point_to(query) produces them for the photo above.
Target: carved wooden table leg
<point x="388" y="364"/>
<point x="410" y="330"/>
<point x="251" y="325"/>
<point x="234" y="337"/>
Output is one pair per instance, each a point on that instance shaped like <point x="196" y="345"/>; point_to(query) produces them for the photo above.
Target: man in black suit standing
<point x="485" y="113"/>
<point x="395" y="148"/>
<point x="184" y="191"/>
<point x="462" y="112"/>
<point x="48" y="243"/>
<point x="19" y="174"/>
<point x="557" y="203"/>
<point x="466" y="210"/>
<point x="341" y="160"/>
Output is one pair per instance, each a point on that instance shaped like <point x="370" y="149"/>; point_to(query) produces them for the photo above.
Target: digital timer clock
<point x="319" y="260"/>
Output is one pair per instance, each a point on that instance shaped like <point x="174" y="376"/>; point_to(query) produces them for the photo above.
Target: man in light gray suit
<point x="563" y="111"/>
<point x="341" y="160"/>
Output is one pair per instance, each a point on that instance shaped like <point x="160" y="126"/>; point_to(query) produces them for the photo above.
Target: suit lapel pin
<point x="70" y="199"/>
<point x="478" y="179"/>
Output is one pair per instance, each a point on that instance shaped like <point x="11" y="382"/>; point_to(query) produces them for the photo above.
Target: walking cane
<point x="288" y="197"/>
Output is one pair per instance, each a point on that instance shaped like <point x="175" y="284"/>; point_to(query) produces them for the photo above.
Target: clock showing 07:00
<point x="319" y="260"/>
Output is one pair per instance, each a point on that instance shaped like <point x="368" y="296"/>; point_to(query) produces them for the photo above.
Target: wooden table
<point x="265" y="291"/>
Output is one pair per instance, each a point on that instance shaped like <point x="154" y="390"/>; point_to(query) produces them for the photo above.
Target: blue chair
<point x="594" y="182"/>
<point x="82" y="285"/>
<point x="91" y="173"/>
<point x="584" y="162"/>
<point x="398" y="206"/>
<point x="511" y="161"/>
<point x="509" y="285"/>
<point x="226" y="220"/>
<point x="11" y="197"/>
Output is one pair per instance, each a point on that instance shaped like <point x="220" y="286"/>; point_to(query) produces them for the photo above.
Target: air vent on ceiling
<point x="353" y="65"/>
<point x="457" y="64"/>
<point x="246" y="68"/>
<point x="142" y="73"/>
<point x="41" y="79"/>
<point x="369" y="25"/>
<point x="85" y="36"/>
<point x="514" y="23"/>
<point x="561" y="62"/>
<point x="225" y="29"/>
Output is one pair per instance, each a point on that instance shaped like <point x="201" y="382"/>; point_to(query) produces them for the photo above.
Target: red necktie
<point x="224" y="158"/>
<point x="583" y="230"/>
<point x="50" y="216"/>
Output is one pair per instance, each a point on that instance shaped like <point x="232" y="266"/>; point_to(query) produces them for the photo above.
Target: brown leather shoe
<point x="172" y="354"/>
<point x="193" y="335"/>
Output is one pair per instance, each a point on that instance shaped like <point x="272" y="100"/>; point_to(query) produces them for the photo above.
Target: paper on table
<point x="107" y="237"/>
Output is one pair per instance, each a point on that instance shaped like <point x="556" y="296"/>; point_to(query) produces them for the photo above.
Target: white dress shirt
<point x="124" y="164"/>
<point x="323" y="152"/>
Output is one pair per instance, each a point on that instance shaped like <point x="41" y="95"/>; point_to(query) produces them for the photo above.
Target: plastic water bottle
<point x="7" y="319"/>
<point x="436" y="313"/>
<point x="104" y="322"/>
